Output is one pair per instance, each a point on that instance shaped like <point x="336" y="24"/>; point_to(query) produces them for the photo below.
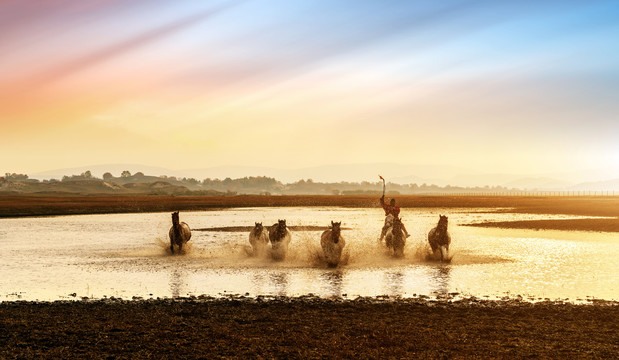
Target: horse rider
<point x="393" y="210"/>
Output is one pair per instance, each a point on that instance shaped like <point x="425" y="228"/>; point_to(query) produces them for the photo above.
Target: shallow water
<point x="127" y="255"/>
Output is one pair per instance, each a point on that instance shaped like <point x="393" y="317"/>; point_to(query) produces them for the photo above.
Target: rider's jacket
<point x="393" y="210"/>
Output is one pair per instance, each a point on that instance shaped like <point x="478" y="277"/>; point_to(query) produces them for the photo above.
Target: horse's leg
<point x="383" y="232"/>
<point x="405" y="231"/>
<point x="444" y="252"/>
<point x="172" y="246"/>
<point x="180" y="247"/>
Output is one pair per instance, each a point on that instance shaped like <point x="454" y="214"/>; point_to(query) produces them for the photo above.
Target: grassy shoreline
<point x="41" y="205"/>
<point x="601" y="225"/>
<point x="595" y="206"/>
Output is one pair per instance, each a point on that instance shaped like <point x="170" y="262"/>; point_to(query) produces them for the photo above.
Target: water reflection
<point x="442" y="278"/>
<point x="178" y="283"/>
<point x="280" y="283"/>
<point x="334" y="282"/>
<point x="116" y="254"/>
<point x="258" y="282"/>
<point x="395" y="282"/>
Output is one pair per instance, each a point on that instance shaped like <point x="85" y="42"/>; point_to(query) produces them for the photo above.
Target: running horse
<point x="332" y="244"/>
<point x="439" y="239"/>
<point x="258" y="238"/>
<point x="280" y="238"/>
<point x="394" y="238"/>
<point x="179" y="233"/>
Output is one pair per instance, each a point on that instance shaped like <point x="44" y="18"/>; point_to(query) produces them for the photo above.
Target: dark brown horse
<point x="395" y="239"/>
<point x="179" y="233"/>
<point x="280" y="238"/>
<point x="439" y="239"/>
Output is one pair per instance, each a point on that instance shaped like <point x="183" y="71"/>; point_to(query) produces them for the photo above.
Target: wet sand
<point x="308" y="328"/>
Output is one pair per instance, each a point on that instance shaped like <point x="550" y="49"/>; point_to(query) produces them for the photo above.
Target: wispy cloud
<point x="224" y="75"/>
<point x="90" y="60"/>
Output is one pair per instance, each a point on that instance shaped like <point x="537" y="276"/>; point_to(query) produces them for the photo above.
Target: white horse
<point x="388" y="224"/>
<point x="332" y="244"/>
<point x="179" y="233"/>
<point x="258" y="238"/>
<point x="439" y="239"/>
<point x="280" y="239"/>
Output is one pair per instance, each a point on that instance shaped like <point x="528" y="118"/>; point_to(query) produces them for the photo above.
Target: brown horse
<point x="439" y="239"/>
<point x="258" y="238"/>
<point x="332" y="244"/>
<point x="280" y="238"/>
<point x="179" y="233"/>
<point x="395" y="239"/>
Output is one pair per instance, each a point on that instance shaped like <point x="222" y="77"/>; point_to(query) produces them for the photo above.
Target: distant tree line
<point x="261" y="185"/>
<point x="87" y="175"/>
<point x="15" y="177"/>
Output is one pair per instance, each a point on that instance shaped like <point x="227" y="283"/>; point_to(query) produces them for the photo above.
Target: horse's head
<point x="258" y="228"/>
<point x="335" y="231"/>
<point x="397" y="224"/>
<point x="278" y="231"/>
<point x="175" y="218"/>
<point x="442" y="223"/>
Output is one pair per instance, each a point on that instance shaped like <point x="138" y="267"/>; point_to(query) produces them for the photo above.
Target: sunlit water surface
<point x="127" y="256"/>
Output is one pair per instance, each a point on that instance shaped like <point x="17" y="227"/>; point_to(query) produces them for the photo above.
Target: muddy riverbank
<point x="307" y="328"/>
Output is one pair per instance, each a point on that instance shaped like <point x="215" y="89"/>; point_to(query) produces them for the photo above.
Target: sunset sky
<point x="522" y="87"/>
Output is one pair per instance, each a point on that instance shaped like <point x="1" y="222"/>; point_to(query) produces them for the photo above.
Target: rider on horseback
<point x="393" y="210"/>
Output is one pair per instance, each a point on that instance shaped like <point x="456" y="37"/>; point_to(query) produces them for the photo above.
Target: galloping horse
<point x="258" y="238"/>
<point x="388" y="224"/>
<point x="395" y="239"/>
<point x="280" y="238"/>
<point x="332" y="244"/>
<point x="439" y="239"/>
<point x="179" y="233"/>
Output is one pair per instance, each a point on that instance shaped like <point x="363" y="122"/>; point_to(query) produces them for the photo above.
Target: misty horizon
<point x="441" y="176"/>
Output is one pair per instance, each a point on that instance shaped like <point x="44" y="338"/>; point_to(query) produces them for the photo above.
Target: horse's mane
<point x="440" y="231"/>
<point x="335" y="232"/>
<point x="279" y="230"/>
<point x="442" y="224"/>
<point x="397" y="224"/>
<point x="176" y="225"/>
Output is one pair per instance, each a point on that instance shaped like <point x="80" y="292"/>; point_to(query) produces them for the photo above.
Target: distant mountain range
<point x="392" y="172"/>
<point x="612" y="185"/>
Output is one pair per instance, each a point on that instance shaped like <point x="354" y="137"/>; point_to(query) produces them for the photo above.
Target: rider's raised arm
<point x="385" y="206"/>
